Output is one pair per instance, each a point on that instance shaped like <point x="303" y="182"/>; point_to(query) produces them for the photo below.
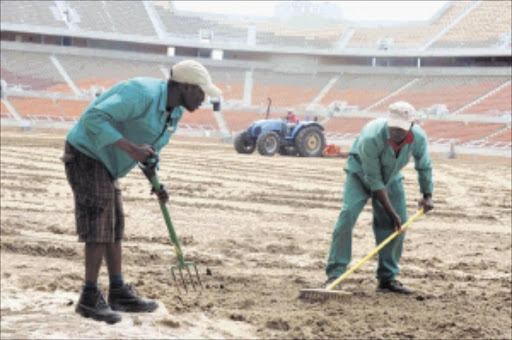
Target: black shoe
<point x="393" y="286"/>
<point x="125" y="299"/>
<point x="328" y="283"/>
<point x="93" y="305"/>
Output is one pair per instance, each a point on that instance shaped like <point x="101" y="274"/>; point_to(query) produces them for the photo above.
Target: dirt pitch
<point x="261" y="226"/>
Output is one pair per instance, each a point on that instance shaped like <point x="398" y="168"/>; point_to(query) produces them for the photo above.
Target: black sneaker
<point x="125" y="299"/>
<point x="393" y="286"/>
<point x="92" y="304"/>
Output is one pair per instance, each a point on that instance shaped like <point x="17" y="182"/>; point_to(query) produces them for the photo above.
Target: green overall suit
<point x="372" y="165"/>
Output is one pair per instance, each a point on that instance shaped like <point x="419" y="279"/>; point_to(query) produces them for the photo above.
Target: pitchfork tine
<point x="191" y="278"/>
<point x="183" y="280"/>
<point x="198" y="277"/>
<point x="175" y="281"/>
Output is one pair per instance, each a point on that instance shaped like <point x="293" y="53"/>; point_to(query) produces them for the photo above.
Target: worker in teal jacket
<point x="383" y="148"/>
<point x="130" y="123"/>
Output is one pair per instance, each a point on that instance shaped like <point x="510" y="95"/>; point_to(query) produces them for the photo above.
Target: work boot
<point x="328" y="283"/>
<point x="125" y="299"/>
<point x="393" y="286"/>
<point x="92" y="304"/>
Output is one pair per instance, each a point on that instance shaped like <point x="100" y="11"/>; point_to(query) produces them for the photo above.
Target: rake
<point x="149" y="170"/>
<point x="329" y="292"/>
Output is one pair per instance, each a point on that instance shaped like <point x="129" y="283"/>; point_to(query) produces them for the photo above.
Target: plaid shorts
<point x="98" y="203"/>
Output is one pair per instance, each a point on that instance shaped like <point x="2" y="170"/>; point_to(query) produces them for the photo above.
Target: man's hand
<point x="426" y="203"/>
<point x="141" y="152"/>
<point x="383" y="198"/>
<point x="395" y="220"/>
<point x="138" y="152"/>
<point x="163" y="195"/>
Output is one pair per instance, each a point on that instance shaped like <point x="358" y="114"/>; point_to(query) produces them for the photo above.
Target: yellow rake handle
<point x="375" y="251"/>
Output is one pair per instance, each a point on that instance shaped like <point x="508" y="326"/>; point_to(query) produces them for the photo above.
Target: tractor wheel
<point x="244" y="143"/>
<point x="268" y="143"/>
<point x="288" y="150"/>
<point x="310" y="142"/>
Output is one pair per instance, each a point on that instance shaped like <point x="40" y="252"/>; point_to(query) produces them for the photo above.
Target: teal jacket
<point x="375" y="161"/>
<point x="134" y="109"/>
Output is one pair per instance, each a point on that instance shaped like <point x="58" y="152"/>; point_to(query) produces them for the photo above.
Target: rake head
<point x="318" y="294"/>
<point x="192" y="278"/>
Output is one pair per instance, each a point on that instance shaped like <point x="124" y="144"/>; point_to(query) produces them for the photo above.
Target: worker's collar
<point x="162" y="107"/>
<point x="409" y="139"/>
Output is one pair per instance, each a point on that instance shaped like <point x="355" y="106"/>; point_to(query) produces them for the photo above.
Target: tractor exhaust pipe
<point x="268" y="107"/>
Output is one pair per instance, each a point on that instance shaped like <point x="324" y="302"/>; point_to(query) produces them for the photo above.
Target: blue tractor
<point x="271" y="136"/>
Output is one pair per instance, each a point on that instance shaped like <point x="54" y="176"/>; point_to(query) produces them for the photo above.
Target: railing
<point x="35" y="118"/>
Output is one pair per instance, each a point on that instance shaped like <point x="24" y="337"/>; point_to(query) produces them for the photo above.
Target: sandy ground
<point x="261" y="227"/>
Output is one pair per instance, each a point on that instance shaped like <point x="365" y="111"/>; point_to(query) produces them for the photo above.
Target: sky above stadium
<point x="352" y="10"/>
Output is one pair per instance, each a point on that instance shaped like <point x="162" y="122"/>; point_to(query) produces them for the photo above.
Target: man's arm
<point x="123" y="103"/>
<point x="423" y="166"/>
<point x="370" y="161"/>
<point x="369" y="154"/>
<point x="139" y="152"/>
<point x="382" y="196"/>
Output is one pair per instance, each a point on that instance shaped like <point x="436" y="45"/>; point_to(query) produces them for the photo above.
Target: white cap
<point x="191" y="72"/>
<point x="401" y="115"/>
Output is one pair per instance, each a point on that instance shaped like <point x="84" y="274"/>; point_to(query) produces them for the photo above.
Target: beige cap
<point x="401" y="115"/>
<point x="191" y="72"/>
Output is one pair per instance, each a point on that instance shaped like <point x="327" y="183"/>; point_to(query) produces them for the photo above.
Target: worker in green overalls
<point x="383" y="148"/>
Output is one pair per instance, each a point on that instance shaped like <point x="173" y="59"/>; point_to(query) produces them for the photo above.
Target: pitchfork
<point x="149" y="170"/>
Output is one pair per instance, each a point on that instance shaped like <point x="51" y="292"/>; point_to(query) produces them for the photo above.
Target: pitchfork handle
<point x="149" y="170"/>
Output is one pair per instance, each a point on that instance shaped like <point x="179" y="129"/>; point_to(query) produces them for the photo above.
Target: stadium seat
<point x="41" y="108"/>
<point x="482" y="27"/>
<point x="453" y="91"/>
<point x="459" y="131"/>
<point x="496" y="104"/>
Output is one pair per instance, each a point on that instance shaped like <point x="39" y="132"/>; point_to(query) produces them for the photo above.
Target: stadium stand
<point x="412" y="35"/>
<point x="72" y="108"/>
<point x="4" y="111"/>
<point x="89" y="72"/>
<point x="503" y="136"/>
<point x="180" y="26"/>
<point x="459" y="132"/>
<point x="36" y="107"/>
<point x="482" y="27"/>
<point x="364" y="89"/>
<point x="497" y="103"/>
<point x="201" y="118"/>
<point x="271" y="33"/>
<point x="452" y="91"/>
<point x="239" y="121"/>
<point x="106" y="16"/>
<point x="40" y="82"/>
<point x="230" y="81"/>
<point x="185" y="26"/>
<point x="34" y="13"/>
<point x="286" y="89"/>
<point x="31" y="71"/>
<point x="345" y="125"/>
